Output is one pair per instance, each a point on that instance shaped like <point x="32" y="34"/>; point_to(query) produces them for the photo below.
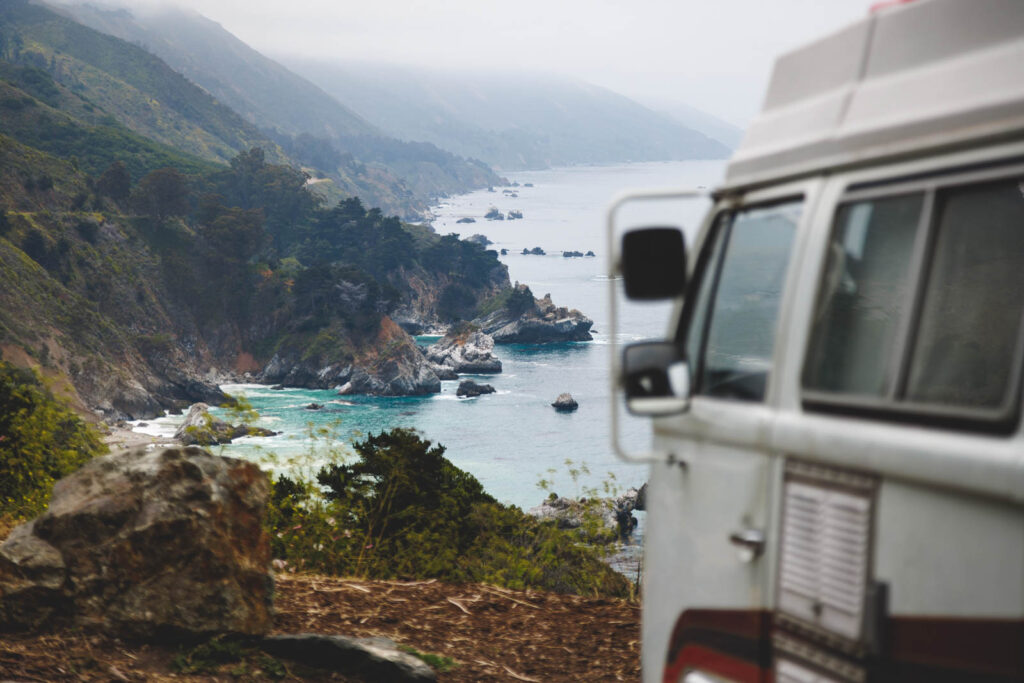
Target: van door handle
<point x="750" y="541"/>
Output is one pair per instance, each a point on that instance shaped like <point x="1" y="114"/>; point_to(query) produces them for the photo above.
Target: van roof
<point x="907" y="80"/>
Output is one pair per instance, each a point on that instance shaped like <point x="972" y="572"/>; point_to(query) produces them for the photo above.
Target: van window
<point x="864" y="296"/>
<point x="973" y="302"/>
<point x="732" y="335"/>
<point x="920" y="308"/>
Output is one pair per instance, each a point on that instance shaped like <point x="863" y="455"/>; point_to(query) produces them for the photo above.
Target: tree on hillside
<point x="280" y="191"/>
<point x="115" y="182"/>
<point x="161" y="194"/>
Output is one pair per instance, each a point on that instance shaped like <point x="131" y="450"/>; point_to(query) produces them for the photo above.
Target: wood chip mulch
<point x="492" y="634"/>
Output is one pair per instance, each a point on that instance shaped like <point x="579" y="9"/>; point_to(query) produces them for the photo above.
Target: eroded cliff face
<point x="434" y="300"/>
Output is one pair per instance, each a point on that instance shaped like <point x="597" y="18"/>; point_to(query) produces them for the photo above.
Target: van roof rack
<point x="909" y="78"/>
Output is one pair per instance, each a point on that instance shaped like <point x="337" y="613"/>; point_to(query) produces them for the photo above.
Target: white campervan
<point x="837" y="484"/>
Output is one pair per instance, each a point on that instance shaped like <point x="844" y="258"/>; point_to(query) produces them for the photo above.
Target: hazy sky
<point x="715" y="55"/>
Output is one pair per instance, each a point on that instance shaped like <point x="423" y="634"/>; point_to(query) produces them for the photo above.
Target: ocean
<point x="513" y="439"/>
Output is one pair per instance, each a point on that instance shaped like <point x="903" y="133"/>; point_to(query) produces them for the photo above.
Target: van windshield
<point x="732" y="338"/>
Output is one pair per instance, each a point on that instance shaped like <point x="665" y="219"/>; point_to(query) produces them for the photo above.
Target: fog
<point x="715" y="55"/>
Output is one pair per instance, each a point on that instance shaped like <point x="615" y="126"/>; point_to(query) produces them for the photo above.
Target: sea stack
<point x="565" y="403"/>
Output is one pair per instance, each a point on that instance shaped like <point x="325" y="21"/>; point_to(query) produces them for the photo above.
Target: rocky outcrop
<point x="480" y="239"/>
<point x="393" y="378"/>
<point x="536" y="251"/>
<point x="565" y="403"/>
<point x="465" y="350"/>
<point x="392" y="366"/>
<point x="444" y="372"/>
<point x="470" y="389"/>
<point x="202" y="429"/>
<point x="526" y="320"/>
<point x="599" y="518"/>
<point x="143" y="544"/>
<point x="285" y="370"/>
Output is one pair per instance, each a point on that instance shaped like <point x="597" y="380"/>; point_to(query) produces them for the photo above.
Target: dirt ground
<point x="488" y="633"/>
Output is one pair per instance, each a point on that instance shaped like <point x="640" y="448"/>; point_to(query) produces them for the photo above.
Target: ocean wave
<point x="236" y="388"/>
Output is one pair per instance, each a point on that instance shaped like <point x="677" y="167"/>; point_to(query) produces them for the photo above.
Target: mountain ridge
<point x="511" y="122"/>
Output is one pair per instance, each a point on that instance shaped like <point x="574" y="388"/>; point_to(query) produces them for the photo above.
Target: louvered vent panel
<point x="789" y="672"/>
<point x="823" y="565"/>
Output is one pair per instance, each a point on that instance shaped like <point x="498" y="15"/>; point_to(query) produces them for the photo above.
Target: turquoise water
<point x="511" y="439"/>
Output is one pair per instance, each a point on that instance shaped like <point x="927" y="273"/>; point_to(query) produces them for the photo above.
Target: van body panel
<point x="723" y="488"/>
<point x="933" y="544"/>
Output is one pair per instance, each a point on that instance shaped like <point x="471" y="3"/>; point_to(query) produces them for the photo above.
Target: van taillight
<point x="885" y="4"/>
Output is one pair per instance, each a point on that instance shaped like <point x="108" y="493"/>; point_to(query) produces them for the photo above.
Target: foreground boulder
<point x="145" y="544"/>
<point x="464" y="350"/>
<point x="526" y="320"/>
<point x="202" y="429"/>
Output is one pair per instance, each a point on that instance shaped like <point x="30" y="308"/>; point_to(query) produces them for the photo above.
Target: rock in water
<point x="141" y="544"/>
<point x="202" y="429"/>
<point x="464" y="351"/>
<point x="565" y="403"/>
<point x="470" y="389"/>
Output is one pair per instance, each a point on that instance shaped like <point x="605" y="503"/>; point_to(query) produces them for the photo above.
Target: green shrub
<point x="402" y="510"/>
<point x="41" y="440"/>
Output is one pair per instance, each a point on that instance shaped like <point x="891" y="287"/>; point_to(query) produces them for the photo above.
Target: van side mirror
<point x="654" y="263"/>
<point x="656" y="379"/>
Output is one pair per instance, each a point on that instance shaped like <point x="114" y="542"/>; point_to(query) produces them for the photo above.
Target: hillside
<point x="712" y="126"/>
<point x="509" y="121"/>
<point x="126" y="82"/>
<point x="311" y="126"/>
<point x="137" y="283"/>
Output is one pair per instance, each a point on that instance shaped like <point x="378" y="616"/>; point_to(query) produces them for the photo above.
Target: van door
<point x="710" y="513"/>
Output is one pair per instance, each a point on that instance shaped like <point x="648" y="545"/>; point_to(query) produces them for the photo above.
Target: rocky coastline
<point x="394" y="365"/>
